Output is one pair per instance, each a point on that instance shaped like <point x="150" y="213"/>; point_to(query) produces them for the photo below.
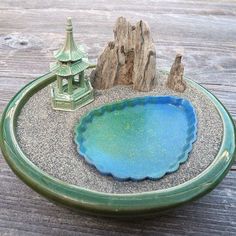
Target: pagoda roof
<point x="70" y="69"/>
<point x="70" y="51"/>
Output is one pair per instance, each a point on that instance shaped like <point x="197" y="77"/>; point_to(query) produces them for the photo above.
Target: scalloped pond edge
<point x="80" y="128"/>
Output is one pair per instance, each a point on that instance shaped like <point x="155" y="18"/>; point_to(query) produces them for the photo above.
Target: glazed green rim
<point x="107" y="203"/>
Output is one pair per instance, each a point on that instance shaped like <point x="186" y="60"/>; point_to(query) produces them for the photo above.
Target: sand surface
<point x="46" y="137"/>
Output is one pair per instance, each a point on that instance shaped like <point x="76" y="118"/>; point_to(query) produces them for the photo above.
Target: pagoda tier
<point x="70" y="51"/>
<point x="72" y="69"/>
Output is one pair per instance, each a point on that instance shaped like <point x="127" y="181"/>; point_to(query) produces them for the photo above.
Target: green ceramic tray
<point x="86" y="200"/>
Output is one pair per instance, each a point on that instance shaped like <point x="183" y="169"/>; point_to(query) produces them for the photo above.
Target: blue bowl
<point x="138" y="138"/>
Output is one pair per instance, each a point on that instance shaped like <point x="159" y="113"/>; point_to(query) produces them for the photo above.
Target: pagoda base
<point x="66" y="102"/>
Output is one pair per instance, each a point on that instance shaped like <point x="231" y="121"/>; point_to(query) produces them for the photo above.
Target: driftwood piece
<point x="129" y="59"/>
<point x="175" y="79"/>
<point x="144" y="72"/>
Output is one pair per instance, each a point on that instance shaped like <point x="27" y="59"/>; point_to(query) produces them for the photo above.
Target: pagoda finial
<point x="69" y="27"/>
<point x="70" y="51"/>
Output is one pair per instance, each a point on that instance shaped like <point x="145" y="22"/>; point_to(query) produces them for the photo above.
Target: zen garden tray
<point x="139" y="140"/>
<point x="133" y="204"/>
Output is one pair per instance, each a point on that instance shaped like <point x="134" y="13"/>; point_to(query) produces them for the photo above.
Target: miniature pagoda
<point x="72" y="88"/>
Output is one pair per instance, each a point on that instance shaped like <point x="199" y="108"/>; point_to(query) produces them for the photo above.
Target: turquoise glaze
<point x="144" y="137"/>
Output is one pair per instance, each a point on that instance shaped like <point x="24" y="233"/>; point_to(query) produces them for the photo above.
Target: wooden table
<point x="204" y="31"/>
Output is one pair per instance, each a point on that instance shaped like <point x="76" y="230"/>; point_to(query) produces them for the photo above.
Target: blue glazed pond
<point x="143" y="137"/>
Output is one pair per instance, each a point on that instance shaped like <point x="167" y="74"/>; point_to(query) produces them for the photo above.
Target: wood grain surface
<point x="204" y="31"/>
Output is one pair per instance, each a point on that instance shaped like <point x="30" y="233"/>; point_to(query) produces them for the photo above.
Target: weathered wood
<point x="129" y="59"/>
<point x="204" y="31"/>
<point x="175" y="79"/>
